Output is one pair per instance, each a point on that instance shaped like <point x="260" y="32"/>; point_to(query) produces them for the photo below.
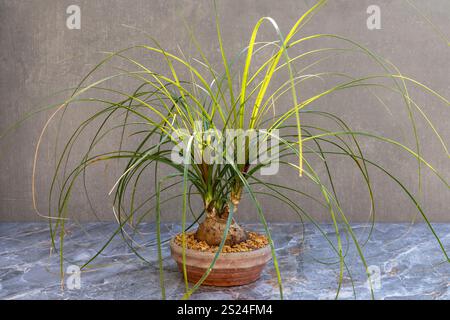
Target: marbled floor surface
<point x="406" y="262"/>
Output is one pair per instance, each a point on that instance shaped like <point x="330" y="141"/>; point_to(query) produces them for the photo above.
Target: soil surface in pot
<point x="255" y="241"/>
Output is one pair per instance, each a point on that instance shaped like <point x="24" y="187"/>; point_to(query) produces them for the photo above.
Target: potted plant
<point x="200" y="122"/>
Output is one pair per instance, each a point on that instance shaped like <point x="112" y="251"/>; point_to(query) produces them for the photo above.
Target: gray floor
<point x="405" y="260"/>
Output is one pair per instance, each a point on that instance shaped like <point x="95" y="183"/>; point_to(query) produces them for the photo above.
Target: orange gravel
<point x="254" y="241"/>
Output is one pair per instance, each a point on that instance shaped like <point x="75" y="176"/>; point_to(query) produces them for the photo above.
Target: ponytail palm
<point x="241" y="93"/>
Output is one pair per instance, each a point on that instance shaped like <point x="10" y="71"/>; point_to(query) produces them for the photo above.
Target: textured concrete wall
<point x="39" y="55"/>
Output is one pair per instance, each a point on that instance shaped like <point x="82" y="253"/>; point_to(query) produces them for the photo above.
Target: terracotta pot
<point x="230" y="269"/>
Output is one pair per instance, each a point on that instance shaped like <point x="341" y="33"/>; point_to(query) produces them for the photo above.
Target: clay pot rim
<point x="257" y="252"/>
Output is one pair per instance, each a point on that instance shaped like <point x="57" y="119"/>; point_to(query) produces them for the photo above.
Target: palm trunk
<point x="211" y="230"/>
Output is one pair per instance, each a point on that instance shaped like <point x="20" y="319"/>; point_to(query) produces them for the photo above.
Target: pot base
<point x="225" y="278"/>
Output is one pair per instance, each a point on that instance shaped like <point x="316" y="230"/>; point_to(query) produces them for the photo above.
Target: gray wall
<point x="40" y="56"/>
